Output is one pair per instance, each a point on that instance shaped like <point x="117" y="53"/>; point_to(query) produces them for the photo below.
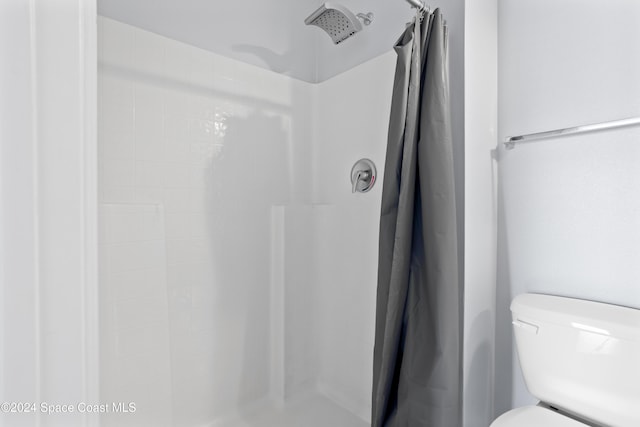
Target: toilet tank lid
<point x="595" y="317"/>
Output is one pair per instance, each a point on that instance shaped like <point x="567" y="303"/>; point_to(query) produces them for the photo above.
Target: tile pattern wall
<point x="134" y="318"/>
<point x="194" y="151"/>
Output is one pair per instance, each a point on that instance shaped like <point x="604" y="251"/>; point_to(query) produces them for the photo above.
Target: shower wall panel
<point x="134" y="315"/>
<point x="213" y="144"/>
<point x="353" y="109"/>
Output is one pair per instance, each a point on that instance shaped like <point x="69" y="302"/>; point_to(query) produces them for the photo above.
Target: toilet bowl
<point x="580" y="359"/>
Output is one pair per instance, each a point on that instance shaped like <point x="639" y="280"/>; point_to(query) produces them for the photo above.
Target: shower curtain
<point x="417" y="354"/>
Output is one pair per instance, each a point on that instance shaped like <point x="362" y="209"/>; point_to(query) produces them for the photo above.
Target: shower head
<point x="338" y="21"/>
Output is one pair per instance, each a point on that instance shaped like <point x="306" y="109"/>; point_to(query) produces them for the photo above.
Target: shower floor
<point x="313" y="410"/>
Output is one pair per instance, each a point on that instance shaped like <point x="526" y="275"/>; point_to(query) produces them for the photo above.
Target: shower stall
<point x="237" y="268"/>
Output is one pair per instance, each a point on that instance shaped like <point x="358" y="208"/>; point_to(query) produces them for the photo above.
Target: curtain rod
<point x="417" y="4"/>
<point x="511" y="141"/>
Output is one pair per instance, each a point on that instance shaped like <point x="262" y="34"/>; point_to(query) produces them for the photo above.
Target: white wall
<point x="47" y="199"/>
<point x="19" y="328"/>
<point x="480" y="220"/>
<point x="351" y="124"/>
<point x="569" y="223"/>
<point x="195" y="149"/>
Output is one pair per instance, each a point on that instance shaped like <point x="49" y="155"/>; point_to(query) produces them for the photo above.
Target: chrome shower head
<point x="338" y="21"/>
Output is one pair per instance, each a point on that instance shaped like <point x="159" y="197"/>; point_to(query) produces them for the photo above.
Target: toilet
<point x="580" y="358"/>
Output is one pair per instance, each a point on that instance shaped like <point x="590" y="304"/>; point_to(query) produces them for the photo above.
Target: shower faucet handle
<point x="360" y="176"/>
<point x="363" y="176"/>
<point x="355" y="180"/>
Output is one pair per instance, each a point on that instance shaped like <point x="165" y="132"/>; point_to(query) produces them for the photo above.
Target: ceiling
<point x="270" y="34"/>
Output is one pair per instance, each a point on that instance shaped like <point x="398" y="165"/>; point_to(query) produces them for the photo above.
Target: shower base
<point x="313" y="410"/>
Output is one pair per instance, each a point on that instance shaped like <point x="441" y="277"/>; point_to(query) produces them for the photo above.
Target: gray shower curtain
<point x="417" y="354"/>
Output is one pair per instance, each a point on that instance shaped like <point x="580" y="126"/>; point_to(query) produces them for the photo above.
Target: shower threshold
<point x="312" y="410"/>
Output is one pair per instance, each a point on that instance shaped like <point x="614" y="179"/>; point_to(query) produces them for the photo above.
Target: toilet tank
<point x="580" y="356"/>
